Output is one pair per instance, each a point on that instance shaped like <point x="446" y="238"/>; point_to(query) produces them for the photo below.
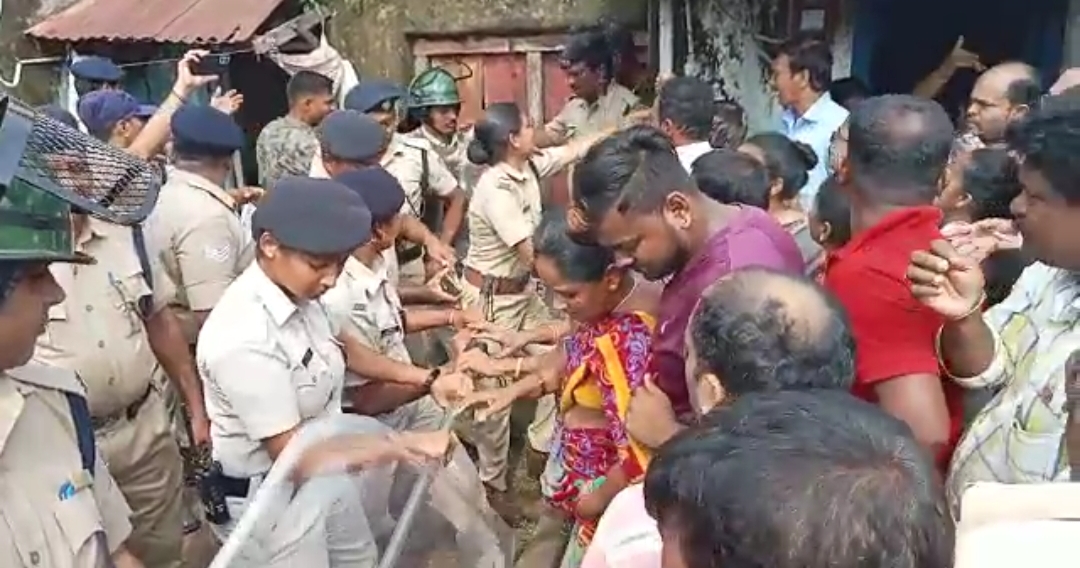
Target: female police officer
<point x="270" y="363"/>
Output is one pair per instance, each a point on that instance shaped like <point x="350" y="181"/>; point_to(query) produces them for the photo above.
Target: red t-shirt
<point x="894" y="333"/>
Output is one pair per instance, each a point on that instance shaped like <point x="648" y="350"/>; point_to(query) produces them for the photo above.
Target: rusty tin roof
<point x="162" y="21"/>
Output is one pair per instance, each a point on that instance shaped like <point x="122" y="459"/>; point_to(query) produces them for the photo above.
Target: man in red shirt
<point x="898" y="147"/>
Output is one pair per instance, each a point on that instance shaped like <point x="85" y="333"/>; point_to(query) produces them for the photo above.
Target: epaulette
<point x="49" y="377"/>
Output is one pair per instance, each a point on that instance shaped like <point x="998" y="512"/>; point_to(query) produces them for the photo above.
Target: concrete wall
<point x="39" y="82"/>
<point x="375" y="34"/>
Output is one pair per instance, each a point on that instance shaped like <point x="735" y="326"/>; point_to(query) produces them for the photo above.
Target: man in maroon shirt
<point x="898" y="147"/>
<point x="633" y="195"/>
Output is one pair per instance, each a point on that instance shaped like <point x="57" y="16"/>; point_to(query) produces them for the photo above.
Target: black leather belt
<point x="235" y="486"/>
<point x="129" y="413"/>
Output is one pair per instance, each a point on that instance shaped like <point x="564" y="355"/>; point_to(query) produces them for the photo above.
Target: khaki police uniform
<point x="366" y="304"/>
<point x="506" y="210"/>
<point x="98" y="332"/>
<point x="454" y="153"/>
<point x="53" y="513"/>
<point x="579" y="117"/>
<point x="404" y="159"/>
<point x="203" y="243"/>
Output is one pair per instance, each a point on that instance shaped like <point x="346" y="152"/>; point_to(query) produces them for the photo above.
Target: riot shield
<point x="394" y="515"/>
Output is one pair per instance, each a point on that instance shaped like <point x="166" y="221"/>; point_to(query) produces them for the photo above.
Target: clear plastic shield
<point x="394" y="515"/>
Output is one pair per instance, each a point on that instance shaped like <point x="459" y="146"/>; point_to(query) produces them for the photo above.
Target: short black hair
<point x="990" y="177"/>
<point x="831" y="205"/>
<point x="898" y="147"/>
<point x="800" y="480"/>
<point x="761" y="330"/>
<point x="1048" y="141"/>
<point x="591" y="48"/>
<point x="788" y="160"/>
<point x="308" y="84"/>
<point x="729" y="124"/>
<point x="688" y="103"/>
<point x="1025" y="89"/>
<point x="576" y="262"/>
<point x="843" y="91"/>
<point x="729" y="176"/>
<point x="633" y="170"/>
<point x="810" y="53"/>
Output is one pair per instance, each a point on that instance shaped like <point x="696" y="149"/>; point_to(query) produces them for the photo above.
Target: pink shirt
<point x="626" y="536"/>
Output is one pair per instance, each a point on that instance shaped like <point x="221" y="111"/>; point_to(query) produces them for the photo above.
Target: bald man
<point x="759" y="330"/>
<point x="1002" y="94"/>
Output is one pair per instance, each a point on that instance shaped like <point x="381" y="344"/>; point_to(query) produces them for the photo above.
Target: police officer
<point x="422" y="174"/>
<point x="94" y="73"/>
<point x="348" y="140"/>
<point x="506" y="211"/>
<point x="114" y="117"/>
<point x="112" y="329"/>
<point x="271" y="326"/>
<point x="58" y="502"/>
<point x="435" y="104"/>
<point x="366" y="301"/>
<point x="203" y="243"/>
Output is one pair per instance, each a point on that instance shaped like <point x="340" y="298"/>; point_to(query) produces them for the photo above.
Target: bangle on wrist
<point x="976" y="308"/>
<point x="179" y="97"/>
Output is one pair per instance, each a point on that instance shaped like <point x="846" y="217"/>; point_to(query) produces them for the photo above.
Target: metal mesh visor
<point x="395" y="515"/>
<point x="102" y="180"/>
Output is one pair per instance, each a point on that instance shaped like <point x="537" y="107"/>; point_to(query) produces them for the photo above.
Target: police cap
<point x="380" y="190"/>
<point x="315" y="216"/>
<point x="100" y="111"/>
<point x="200" y="130"/>
<point x="371" y="95"/>
<point x="352" y="136"/>
<point x="95" y="68"/>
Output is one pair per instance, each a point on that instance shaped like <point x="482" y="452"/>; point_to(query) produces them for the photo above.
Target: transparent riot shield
<point x="394" y="515"/>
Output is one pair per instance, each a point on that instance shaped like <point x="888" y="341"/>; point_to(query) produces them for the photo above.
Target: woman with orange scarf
<point x="607" y="353"/>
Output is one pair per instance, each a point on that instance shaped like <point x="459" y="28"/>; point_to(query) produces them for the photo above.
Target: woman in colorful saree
<point x="607" y="353"/>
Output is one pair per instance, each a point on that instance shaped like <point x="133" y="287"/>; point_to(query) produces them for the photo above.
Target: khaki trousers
<point x="143" y="457"/>
<point x="492" y="437"/>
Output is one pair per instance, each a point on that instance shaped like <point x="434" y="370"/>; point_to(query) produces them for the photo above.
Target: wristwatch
<point x="433" y="376"/>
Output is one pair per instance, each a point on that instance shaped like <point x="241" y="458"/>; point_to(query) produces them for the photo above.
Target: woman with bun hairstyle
<point x="504" y="213"/>
<point x="789" y="164"/>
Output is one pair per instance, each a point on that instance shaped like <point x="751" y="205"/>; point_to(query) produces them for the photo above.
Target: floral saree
<point x="606" y="361"/>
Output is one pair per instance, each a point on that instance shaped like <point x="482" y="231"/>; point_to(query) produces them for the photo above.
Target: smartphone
<point x="211" y="64"/>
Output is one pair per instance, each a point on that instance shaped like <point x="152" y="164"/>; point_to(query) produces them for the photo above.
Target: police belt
<point x="130" y="412"/>
<point x="238" y="487"/>
<point x="496" y="285"/>
<point x="407" y="254"/>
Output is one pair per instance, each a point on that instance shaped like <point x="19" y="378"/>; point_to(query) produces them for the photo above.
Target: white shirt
<point x="688" y="153"/>
<point x="268" y="365"/>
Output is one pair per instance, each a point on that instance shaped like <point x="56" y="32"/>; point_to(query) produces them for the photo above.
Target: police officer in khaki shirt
<point x="271" y="325"/>
<point x="598" y="102"/>
<point x="504" y="215"/>
<point x="366" y="302"/>
<point x="420" y="169"/>
<point x="196" y="223"/>
<point x="59" y="506"/>
<point x="111" y="330"/>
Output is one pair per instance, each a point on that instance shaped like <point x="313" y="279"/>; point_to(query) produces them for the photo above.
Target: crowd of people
<point x="827" y="345"/>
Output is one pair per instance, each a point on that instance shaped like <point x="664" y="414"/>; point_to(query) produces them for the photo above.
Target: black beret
<point x="352" y="136"/>
<point x="201" y="130"/>
<point x="316" y="216"/>
<point x="380" y="190"/>
<point x="371" y="94"/>
<point x="95" y="68"/>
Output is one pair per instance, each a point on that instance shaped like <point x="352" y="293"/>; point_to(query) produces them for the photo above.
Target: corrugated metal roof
<point x="163" y="21"/>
